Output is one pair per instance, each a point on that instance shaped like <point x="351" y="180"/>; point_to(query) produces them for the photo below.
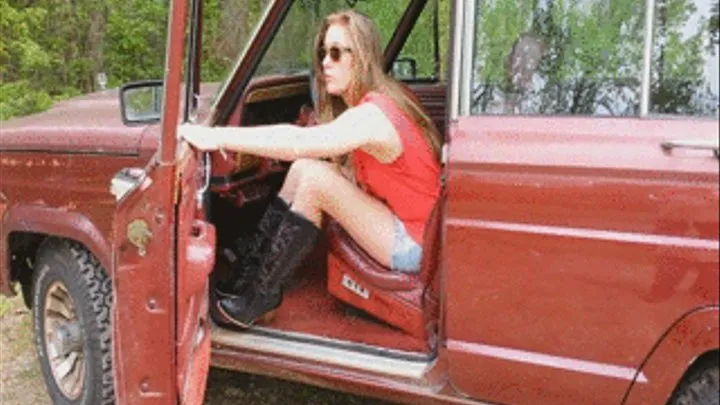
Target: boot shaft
<point x="294" y="239"/>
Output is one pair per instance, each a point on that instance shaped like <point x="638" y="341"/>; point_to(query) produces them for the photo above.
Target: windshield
<point x="291" y="49"/>
<point x="228" y="27"/>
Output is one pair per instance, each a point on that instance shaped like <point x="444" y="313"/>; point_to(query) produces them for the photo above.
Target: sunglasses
<point x="334" y="51"/>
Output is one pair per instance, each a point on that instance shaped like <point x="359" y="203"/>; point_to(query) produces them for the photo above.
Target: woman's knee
<point x="314" y="178"/>
<point x="298" y="169"/>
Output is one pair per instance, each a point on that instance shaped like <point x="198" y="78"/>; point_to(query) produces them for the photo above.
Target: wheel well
<point x="707" y="359"/>
<point x="22" y="250"/>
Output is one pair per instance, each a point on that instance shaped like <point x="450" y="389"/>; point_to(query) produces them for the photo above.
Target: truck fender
<point x="53" y="222"/>
<point x="694" y="334"/>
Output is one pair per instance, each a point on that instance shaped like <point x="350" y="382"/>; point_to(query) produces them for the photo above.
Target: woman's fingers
<point x="198" y="136"/>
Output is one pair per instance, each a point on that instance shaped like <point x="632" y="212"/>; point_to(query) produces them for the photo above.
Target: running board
<point x="320" y="350"/>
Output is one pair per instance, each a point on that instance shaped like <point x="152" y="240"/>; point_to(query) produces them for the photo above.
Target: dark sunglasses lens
<point x="333" y="51"/>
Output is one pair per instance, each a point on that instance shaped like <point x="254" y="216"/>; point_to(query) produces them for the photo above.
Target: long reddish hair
<point x="368" y="75"/>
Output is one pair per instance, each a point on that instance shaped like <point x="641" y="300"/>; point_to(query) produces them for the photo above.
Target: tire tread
<point x="97" y="288"/>
<point x="699" y="387"/>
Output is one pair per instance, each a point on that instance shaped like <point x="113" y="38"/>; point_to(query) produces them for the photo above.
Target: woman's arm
<point x="357" y="127"/>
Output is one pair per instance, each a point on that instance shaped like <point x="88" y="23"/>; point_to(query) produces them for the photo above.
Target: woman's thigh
<point x="368" y="221"/>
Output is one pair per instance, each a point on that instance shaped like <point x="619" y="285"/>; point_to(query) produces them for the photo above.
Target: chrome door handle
<point x="207" y="166"/>
<point x="691" y="144"/>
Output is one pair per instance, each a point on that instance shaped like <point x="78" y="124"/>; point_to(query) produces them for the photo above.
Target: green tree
<point x="589" y="57"/>
<point x="679" y="85"/>
<point x="135" y="40"/>
<point x="20" y="57"/>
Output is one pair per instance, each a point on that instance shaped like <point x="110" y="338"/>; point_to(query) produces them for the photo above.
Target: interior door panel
<point x="196" y="244"/>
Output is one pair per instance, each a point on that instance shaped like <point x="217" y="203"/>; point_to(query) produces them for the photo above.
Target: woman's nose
<point x="326" y="61"/>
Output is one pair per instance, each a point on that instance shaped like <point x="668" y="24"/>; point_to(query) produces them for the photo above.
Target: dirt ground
<point x="21" y="382"/>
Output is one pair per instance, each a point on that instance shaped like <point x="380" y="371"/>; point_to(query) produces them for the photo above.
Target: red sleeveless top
<point x="410" y="184"/>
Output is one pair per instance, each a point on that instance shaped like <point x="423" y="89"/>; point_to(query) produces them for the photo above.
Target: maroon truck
<point x="573" y="258"/>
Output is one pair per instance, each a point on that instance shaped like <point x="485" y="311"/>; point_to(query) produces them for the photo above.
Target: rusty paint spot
<point x="9" y="162"/>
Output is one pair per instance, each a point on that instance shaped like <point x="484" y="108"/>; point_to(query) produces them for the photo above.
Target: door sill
<point x="352" y="355"/>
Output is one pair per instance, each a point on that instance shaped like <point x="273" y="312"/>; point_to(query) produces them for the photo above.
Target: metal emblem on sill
<point x="355" y="287"/>
<point x="138" y="233"/>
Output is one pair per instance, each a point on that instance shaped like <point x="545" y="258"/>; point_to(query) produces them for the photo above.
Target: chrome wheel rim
<point x="64" y="340"/>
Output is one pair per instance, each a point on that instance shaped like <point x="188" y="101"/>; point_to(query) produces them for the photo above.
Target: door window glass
<point x="685" y="58"/>
<point x="227" y="26"/>
<point x="558" y="57"/>
<point x="422" y="57"/>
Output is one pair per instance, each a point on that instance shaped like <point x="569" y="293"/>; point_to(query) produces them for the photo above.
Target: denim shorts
<point x="406" y="253"/>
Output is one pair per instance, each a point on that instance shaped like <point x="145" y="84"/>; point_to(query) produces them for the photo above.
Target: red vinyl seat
<point x="406" y="301"/>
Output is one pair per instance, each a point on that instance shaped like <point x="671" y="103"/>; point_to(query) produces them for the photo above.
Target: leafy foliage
<point x="135" y="41"/>
<point x="19" y="98"/>
<point x="20" y="58"/>
<point x="586" y="57"/>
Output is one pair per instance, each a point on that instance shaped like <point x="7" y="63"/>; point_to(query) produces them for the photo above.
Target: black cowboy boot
<point x="295" y="238"/>
<point x="247" y="258"/>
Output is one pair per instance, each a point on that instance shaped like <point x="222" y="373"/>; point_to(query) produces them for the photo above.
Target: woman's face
<point x="337" y="61"/>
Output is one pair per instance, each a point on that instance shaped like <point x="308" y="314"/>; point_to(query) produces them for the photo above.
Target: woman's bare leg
<point x="315" y="187"/>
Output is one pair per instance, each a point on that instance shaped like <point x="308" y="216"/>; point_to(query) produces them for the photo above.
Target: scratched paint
<point x="31" y="162"/>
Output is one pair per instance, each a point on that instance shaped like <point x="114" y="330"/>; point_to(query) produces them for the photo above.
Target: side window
<point x="685" y="58"/>
<point x="424" y="57"/>
<point x="558" y="57"/>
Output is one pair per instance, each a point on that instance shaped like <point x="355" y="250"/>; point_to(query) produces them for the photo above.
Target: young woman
<point x="394" y="147"/>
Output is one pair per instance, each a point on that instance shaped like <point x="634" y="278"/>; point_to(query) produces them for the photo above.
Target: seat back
<point x="431" y="244"/>
<point x="430" y="272"/>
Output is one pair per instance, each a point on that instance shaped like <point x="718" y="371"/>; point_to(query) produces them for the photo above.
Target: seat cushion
<point x="343" y="246"/>
<point x="400" y="299"/>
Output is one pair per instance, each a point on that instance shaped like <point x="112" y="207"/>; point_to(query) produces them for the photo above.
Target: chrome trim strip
<point x="321" y="353"/>
<point x="647" y="58"/>
<point x="546" y="360"/>
<point x="468" y="48"/>
<point x="343" y="344"/>
<point x="456" y="61"/>
<point x="584" y="233"/>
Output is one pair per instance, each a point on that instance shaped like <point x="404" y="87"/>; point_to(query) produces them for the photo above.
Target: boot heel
<point x="220" y="315"/>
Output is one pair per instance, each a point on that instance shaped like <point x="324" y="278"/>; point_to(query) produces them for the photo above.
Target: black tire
<point x="65" y="268"/>
<point x="700" y="387"/>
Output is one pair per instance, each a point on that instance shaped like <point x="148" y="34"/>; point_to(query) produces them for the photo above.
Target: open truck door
<point x="163" y="252"/>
